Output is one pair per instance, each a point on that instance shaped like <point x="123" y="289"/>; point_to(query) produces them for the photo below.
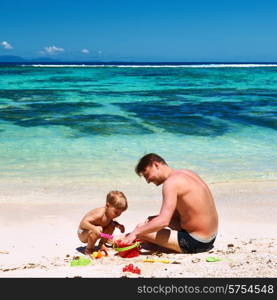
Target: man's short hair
<point x="117" y="199"/>
<point x="147" y="160"/>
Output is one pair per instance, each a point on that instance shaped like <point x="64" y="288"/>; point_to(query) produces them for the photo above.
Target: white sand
<point x="39" y="240"/>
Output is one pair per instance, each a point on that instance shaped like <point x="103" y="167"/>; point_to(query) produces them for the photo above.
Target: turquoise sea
<point x="93" y="122"/>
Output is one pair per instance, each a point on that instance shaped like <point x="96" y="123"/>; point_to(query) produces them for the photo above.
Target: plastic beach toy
<point x="157" y="260"/>
<point x="99" y="254"/>
<point x="131" y="268"/>
<point x="127" y="250"/>
<point x="81" y="261"/>
<point x="212" y="259"/>
<point x="106" y="236"/>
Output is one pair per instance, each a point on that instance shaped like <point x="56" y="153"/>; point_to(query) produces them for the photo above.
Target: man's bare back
<point x="195" y="205"/>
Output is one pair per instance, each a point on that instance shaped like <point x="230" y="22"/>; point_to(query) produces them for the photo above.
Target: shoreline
<point x="40" y="238"/>
<point x="39" y="191"/>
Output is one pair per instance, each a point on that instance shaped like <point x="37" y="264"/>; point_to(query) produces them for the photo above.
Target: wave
<point x="151" y="66"/>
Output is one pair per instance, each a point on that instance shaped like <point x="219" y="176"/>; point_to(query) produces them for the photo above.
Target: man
<point x="188" y="209"/>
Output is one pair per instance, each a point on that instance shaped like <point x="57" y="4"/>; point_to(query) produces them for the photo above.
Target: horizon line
<point x="142" y="62"/>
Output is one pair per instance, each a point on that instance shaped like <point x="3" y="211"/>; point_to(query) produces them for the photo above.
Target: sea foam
<point x="154" y="66"/>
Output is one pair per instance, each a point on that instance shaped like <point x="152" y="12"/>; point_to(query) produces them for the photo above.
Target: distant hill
<point x="43" y="59"/>
<point x="11" y="58"/>
<point x="14" y="58"/>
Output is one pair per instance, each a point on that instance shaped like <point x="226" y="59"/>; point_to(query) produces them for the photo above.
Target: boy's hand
<point x="120" y="227"/>
<point x="97" y="232"/>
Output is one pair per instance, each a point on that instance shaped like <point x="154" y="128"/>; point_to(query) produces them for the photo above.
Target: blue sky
<point x="144" y="30"/>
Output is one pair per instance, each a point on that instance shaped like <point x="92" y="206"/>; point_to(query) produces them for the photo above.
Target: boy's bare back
<point x="96" y="217"/>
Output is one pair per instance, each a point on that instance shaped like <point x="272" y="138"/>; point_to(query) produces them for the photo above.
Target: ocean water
<point x="91" y="123"/>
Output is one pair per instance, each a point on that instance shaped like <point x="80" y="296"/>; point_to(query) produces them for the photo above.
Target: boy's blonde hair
<point x="117" y="199"/>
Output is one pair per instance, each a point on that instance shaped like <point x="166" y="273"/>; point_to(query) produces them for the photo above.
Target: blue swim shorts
<point x="190" y="244"/>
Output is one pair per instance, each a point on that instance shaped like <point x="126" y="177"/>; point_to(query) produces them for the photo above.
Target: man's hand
<point x="118" y="237"/>
<point x="129" y="238"/>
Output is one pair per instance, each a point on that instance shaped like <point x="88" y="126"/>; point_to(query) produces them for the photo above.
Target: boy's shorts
<point x="189" y="244"/>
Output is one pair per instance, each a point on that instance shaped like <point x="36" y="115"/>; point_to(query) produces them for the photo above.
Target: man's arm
<point x="163" y="219"/>
<point x="175" y="221"/>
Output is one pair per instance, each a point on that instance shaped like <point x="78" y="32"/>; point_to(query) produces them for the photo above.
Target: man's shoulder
<point x="178" y="175"/>
<point x="175" y="178"/>
<point x="176" y="184"/>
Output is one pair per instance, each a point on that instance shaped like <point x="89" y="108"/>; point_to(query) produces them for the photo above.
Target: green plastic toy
<point x="81" y="261"/>
<point x="212" y="259"/>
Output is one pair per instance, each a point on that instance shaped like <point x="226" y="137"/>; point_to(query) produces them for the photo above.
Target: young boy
<point x="101" y="220"/>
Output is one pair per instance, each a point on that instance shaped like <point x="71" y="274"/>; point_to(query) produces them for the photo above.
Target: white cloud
<point x="53" y="49"/>
<point x="6" y="45"/>
<point x="85" y="51"/>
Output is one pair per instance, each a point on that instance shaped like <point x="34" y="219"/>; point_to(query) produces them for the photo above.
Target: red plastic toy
<point x="127" y="250"/>
<point x="132" y="269"/>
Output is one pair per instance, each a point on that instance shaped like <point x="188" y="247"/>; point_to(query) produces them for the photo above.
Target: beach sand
<point x="40" y="240"/>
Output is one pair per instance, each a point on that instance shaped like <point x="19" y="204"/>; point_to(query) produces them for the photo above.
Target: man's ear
<point x="156" y="164"/>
